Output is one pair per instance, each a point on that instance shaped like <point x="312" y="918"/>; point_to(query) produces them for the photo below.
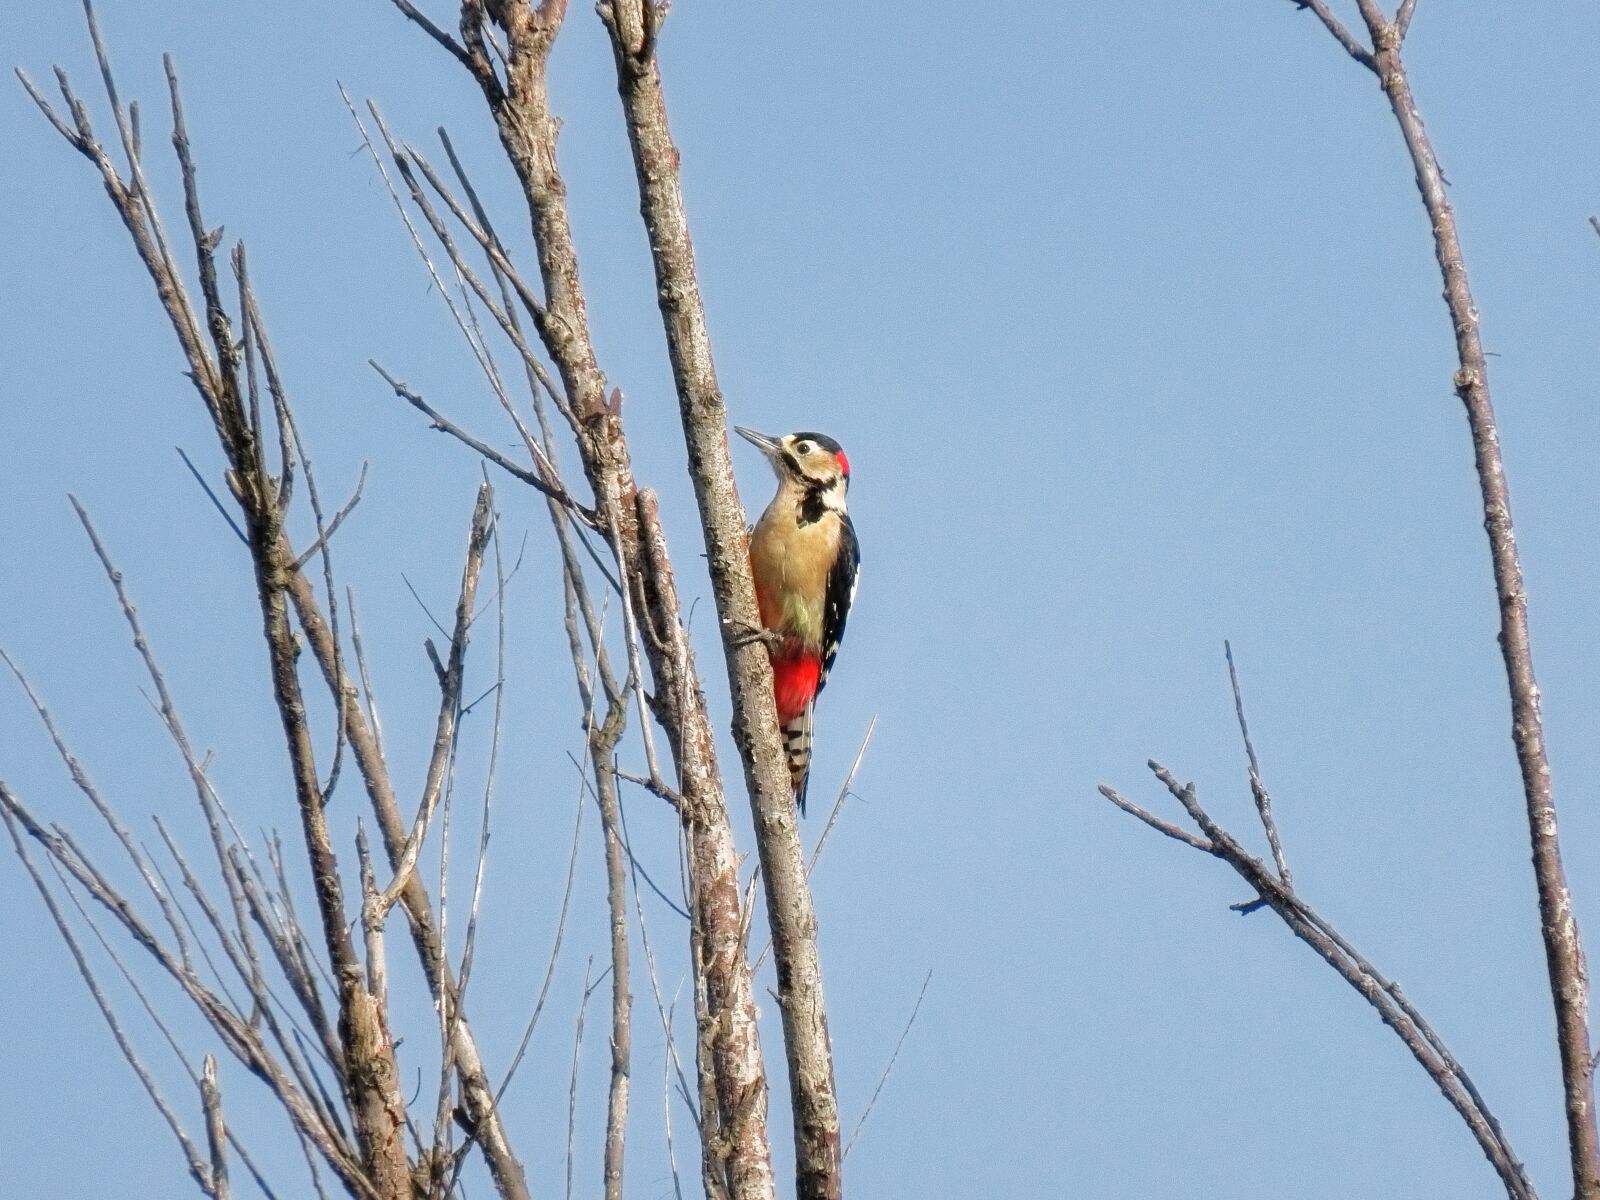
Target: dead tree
<point x="313" y="1023"/>
<point x="1380" y="54"/>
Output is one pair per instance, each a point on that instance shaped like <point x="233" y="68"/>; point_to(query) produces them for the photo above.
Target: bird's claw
<point x="744" y="634"/>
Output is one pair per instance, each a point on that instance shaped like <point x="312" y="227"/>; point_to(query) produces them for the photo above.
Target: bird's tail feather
<point x="797" y="744"/>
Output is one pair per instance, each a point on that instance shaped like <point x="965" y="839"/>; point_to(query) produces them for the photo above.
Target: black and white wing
<point x="842" y="580"/>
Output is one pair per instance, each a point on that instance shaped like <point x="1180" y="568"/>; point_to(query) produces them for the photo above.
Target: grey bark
<point x="633" y="25"/>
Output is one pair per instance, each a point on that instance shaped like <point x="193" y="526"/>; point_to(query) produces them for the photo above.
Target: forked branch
<point x="1274" y="889"/>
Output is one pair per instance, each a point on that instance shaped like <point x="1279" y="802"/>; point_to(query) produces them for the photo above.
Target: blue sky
<point x="1128" y="320"/>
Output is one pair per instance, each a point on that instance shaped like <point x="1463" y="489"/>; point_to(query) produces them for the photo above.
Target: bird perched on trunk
<point x="805" y="558"/>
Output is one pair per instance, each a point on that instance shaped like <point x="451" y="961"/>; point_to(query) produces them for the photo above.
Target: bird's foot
<point x="744" y="634"/>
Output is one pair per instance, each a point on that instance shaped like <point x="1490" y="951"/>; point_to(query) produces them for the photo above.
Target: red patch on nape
<point x="844" y="463"/>
<point x="794" y="683"/>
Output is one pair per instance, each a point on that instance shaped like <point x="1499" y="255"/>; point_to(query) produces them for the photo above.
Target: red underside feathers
<point x="794" y="683"/>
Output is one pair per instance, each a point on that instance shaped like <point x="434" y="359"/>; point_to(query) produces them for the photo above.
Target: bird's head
<point x="810" y="460"/>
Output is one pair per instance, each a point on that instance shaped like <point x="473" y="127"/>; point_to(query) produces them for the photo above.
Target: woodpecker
<point x="805" y="558"/>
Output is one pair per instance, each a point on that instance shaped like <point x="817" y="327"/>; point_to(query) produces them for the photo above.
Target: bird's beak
<point x="769" y="446"/>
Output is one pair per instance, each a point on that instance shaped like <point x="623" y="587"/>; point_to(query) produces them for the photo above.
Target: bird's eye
<point x="803" y="448"/>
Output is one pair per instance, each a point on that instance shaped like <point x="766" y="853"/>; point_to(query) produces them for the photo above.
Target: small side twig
<point x="822" y="839"/>
<point x="211" y="495"/>
<point x="1258" y="789"/>
<point x="191" y="1154"/>
<point x="572" y="1086"/>
<point x="1333" y="25"/>
<point x="1402" y="19"/>
<point x="216" y="1129"/>
<point x="449" y="698"/>
<point x="555" y="952"/>
<point x="844" y="792"/>
<point x="333" y="525"/>
<point x="889" y="1066"/>
<point x="516" y="470"/>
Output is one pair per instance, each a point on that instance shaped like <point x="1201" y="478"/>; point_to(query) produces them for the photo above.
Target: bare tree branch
<point x="602" y="738"/>
<point x="572" y="1087"/>
<point x="439" y="35"/>
<point x="449" y="698"/>
<point x="555" y="947"/>
<point x="603" y="741"/>
<point x="1569" y="982"/>
<point x="216" y="1130"/>
<point x="408" y="162"/>
<point x="704" y="418"/>
<point x="1166" y="828"/>
<point x="369" y="1074"/>
<point x="211" y="494"/>
<point x="445" y="425"/>
<point x="478" y="1100"/>
<point x="197" y="1166"/>
<point x="469" y="947"/>
<point x="1258" y="789"/>
<point x="735" y="1155"/>
<point x="333" y="525"/>
<point x="1402" y="18"/>
<point x="735" y="1160"/>
<point x="1385" y="997"/>
<point x="1342" y="35"/>
<point x="168" y="712"/>
<point x="81" y="779"/>
<point x="889" y="1066"/>
<point x="235" y="1031"/>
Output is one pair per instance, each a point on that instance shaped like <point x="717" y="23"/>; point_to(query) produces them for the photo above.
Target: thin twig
<point x="368" y="696"/>
<point x="333" y="525"/>
<point x="1351" y="47"/>
<point x="320" y="547"/>
<point x="168" y="711"/>
<point x="445" y="425"/>
<point x="197" y="1167"/>
<point x="1258" y="789"/>
<point x="555" y="953"/>
<point x="667" y="1062"/>
<point x="372" y="915"/>
<point x="572" y="1087"/>
<point x="844" y="791"/>
<point x="464" y="975"/>
<point x="889" y="1066"/>
<point x="510" y="287"/>
<point x="662" y="1011"/>
<point x="85" y="785"/>
<point x="1155" y="822"/>
<point x="211" y="495"/>
<point x="455" y="49"/>
<point x="822" y="840"/>
<point x="449" y="697"/>
<point x="656" y="787"/>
